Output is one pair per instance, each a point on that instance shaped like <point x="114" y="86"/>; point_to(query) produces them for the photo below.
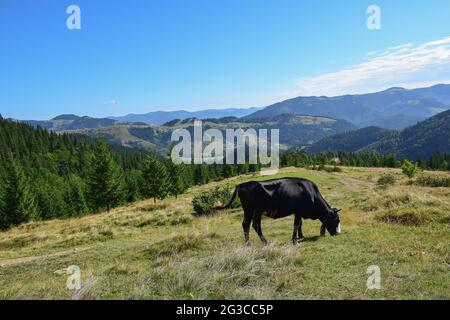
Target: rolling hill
<point x="423" y="139"/>
<point x="294" y="130"/>
<point x="395" y="108"/>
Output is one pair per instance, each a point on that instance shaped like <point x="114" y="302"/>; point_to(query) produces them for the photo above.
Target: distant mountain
<point x="69" y="117"/>
<point x="161" y="117"/>
<point x="352" y="141"/>
<point x="423" y="139"/>
<point x="71" y="122"/>
<point x="395" y="108"/>
<point x="294" y="130"/>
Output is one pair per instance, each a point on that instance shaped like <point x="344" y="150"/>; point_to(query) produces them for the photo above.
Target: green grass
<point x="144" y="251"/>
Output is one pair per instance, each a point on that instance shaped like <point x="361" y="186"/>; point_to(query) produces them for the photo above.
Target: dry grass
<point x="148" y="251"/>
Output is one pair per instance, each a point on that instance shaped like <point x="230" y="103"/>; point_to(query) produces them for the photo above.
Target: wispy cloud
<point x="404" y="65"/>
<point x="110" y="103"/>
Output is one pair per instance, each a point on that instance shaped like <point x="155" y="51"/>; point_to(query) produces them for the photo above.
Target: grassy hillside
<point x="147" y="251"/>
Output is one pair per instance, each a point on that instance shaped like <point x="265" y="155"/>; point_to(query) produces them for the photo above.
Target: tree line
<point x="300" y="158"/>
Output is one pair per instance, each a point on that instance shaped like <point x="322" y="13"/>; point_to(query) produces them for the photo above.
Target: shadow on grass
<point x="311" y="239"/>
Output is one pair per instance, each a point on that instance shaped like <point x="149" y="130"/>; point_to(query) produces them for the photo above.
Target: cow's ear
<point x="338" y="210"/>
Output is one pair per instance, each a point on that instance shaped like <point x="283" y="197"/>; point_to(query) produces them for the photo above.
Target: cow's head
<point x="333" y="223"/>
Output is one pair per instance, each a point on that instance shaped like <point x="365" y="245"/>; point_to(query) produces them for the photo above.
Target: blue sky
<point x="141" y="56"/>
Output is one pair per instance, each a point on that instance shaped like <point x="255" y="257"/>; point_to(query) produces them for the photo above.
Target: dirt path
<point x="17" y="261"/>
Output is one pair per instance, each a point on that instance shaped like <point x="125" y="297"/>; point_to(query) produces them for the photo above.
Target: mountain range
<point x="161" y="117"/>
<point x="397" y="120"/>
<point x="394" y="108"/>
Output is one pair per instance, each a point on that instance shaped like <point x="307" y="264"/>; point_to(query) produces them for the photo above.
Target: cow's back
<point x="291" y="197"/>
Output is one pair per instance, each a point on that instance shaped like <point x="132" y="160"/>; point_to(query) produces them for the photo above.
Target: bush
<point x="430" y="181"/>
<point x="203" y="204"/>
<point x="410" y="169"/>
<point x="386" y="180"/>
<point x="206" y="203"/>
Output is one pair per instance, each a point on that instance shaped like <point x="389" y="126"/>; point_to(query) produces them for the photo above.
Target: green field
<point x="148" y="251"/>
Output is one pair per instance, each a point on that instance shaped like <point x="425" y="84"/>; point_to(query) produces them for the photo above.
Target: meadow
<point x="162" y="251"/>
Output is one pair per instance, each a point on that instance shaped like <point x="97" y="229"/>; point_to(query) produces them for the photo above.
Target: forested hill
<point x="352" y="141"/>
<point x="62" y="153"/>
<point x="45" y="175"/>
<point x="424" y="139"/>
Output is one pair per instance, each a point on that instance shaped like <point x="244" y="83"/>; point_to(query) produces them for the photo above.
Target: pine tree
<point x="228" y="171"/>
<point x="105" y="180"/>
<point x="135" y="185"/>
<point x="177" y="183"/>
<point x="76" y="200"/>
<point x="201" y="175"/>
<point x="157" y="179"/>
<point x="18" y="203"/>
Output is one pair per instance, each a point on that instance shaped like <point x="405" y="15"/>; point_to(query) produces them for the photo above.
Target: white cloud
<point x="404" y="65"/>
<point x="110" y="103"/>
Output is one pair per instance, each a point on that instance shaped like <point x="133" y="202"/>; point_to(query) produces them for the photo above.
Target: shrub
<point x="430" y="181"/>
<point x="206" y="203"/>
<point x="203" y="204"/>
<point x="386" y="180"/>
<point x="333" y="169"/>
<point x="410" y="169"/>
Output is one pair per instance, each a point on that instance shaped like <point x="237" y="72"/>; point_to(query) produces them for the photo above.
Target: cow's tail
<point x="232" y="198"/>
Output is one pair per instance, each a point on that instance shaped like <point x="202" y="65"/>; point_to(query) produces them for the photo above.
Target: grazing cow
<point x="280" y="198"/>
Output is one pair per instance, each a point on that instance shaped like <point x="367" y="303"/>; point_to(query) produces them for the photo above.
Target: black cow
<point x="280" y="198"/>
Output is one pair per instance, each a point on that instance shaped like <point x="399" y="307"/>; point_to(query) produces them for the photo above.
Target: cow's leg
<point x="300" y="232"/>
<point x="248" y="215"/>
<point x="322" y="230"/>
<point x="297" y="227"/>
<point x="257" y="226"/>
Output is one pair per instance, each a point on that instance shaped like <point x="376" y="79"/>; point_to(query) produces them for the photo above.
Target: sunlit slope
<point x="147" y="251"/>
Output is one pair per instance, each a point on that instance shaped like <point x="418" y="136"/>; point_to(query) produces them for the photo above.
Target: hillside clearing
<point x="161" y="251"/>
